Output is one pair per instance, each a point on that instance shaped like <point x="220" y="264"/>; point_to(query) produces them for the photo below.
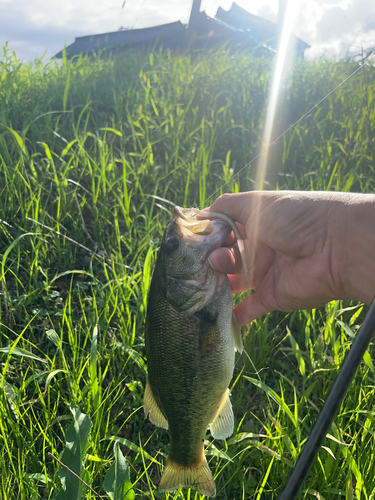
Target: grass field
<point x="93" y="155"/>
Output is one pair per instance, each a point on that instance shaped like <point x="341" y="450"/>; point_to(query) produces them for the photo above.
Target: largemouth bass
<point x="191" y="335"/>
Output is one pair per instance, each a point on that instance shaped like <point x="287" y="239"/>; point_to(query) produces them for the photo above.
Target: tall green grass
<point x="93" y="155"/>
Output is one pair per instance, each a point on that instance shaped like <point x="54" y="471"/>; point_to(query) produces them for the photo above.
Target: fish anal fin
<point x="222" y="425"/>
<point x="197" y="476"/>
<point x="152" y="409"/>
<point x="236" y="332"/>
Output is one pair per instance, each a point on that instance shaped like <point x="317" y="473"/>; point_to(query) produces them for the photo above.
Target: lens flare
<point x="284" y="55"/>
<point x="283" y="51"/>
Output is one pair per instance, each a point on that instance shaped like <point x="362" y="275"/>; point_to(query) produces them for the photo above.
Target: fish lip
<point x="180" y="212"/>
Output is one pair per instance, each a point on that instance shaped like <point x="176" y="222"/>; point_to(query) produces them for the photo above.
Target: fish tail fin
<point x="196" y="476"/>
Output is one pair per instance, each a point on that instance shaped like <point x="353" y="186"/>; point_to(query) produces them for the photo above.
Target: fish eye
<point x="171" y="245"/>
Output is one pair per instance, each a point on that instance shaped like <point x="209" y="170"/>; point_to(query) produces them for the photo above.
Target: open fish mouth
<point x="189" y="218"/>
<point x="206" y="233"/>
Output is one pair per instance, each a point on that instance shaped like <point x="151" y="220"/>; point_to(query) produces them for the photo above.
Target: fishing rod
<point x="331" y="406"/>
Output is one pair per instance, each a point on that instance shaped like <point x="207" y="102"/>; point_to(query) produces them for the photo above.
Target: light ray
<point x="281" y="59"/>
<point x="282" y="54"/>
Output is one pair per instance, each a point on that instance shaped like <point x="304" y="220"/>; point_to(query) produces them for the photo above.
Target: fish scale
<point x="190" y="352"/>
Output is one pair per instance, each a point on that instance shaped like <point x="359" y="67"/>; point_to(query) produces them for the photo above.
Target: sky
<point x="32" y="27"/>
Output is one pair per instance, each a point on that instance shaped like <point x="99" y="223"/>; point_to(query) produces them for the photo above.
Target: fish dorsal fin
<point x="222" y="425"/>
<point x="236" y="332"/>
<point x="152" y="410"/>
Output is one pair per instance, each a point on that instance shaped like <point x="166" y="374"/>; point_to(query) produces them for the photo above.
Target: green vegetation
<point x="93" y="155"/>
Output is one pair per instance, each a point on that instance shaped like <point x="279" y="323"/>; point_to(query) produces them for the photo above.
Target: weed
<point x="93" y="155"/>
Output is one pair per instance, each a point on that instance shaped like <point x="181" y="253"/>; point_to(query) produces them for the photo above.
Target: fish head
<point x="189" y="280"/>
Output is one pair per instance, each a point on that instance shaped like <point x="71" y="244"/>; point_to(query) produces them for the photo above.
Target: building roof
<point x="90" y="43"/>
<point x="234" y="26"/>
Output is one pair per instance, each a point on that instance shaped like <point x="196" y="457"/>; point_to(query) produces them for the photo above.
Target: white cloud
<point x="342" y="28"/>
<point x="31" y="26"/>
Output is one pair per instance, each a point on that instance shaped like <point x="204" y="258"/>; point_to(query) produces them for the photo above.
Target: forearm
<point x="360" y="269"/>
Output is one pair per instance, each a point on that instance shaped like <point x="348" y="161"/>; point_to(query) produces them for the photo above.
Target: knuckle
<point x="223" y="198"/>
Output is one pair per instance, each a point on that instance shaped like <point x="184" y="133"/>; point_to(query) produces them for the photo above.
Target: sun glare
<point x="282" y="55"/>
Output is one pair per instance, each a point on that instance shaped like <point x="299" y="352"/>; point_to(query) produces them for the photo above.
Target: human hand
<point x="304" y="249"/>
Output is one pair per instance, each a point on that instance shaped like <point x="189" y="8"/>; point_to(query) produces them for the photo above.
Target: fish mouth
<point x="206" y="233"/>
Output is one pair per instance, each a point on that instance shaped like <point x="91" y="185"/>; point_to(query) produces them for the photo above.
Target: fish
<point x="191" y="335"/>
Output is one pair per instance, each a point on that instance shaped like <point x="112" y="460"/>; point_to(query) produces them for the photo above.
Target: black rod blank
<point x="331" y="406"/>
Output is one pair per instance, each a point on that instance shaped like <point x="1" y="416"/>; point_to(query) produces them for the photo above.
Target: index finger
<point x="243" y="207"/>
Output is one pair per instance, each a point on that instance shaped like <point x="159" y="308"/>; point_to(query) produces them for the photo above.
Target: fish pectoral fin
<point x="236" y="332"/>
<point x="222" y="425"/>
<point x="196" y="476"/>
<point x="152" y="410"/>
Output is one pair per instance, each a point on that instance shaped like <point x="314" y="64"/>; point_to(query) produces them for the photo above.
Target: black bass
<point x="191" y="335"/>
